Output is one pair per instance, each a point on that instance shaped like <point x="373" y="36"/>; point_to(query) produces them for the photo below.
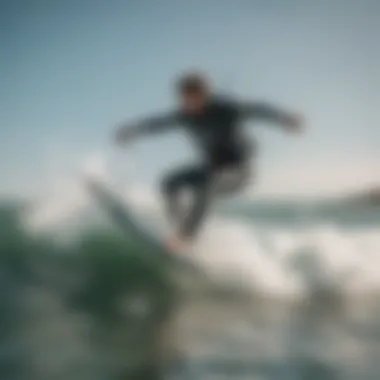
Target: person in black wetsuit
<point x="215" y="123"/>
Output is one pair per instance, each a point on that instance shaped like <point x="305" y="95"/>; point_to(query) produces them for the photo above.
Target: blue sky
<point x="70" y="70"/>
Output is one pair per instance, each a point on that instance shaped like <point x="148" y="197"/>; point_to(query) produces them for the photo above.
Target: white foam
<point x="58" y="207"/>
<point x="333" y="258"/>
<point x="230" y="249"/>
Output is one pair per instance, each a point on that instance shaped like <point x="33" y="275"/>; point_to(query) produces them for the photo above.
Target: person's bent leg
<point x="231" y="179"/>
<point x="200" y="184"/>
<point x="207" y="185"/>
<point x="170" y="188"/>
<point x="173" y="185"/>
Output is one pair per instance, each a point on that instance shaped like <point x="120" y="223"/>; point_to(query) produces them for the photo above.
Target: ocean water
<point x="287" y="290"/>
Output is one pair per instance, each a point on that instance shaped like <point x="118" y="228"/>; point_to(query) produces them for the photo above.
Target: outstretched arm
<point x="270" y="113"/>
<point x="157" y="124"/>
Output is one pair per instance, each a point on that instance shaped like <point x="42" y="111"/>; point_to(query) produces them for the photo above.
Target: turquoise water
<point x="101" y="305"/>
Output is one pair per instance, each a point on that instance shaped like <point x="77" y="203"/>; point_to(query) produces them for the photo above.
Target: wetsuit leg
<point x="197" y="180"/>
<point x="205" y="185"/>
<point x="212" y="184"/>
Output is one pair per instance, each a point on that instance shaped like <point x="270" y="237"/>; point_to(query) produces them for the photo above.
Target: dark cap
<point x="192" y="83"/>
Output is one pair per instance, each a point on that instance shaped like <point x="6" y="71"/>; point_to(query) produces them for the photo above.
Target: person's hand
<point x="294" y="123"/>
<point x="124" y="134"/>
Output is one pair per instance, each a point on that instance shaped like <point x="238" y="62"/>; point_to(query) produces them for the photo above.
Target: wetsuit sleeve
<point x="262" y="111"/>
<point x="156" y="124"/>
<point x="148" y="126"/>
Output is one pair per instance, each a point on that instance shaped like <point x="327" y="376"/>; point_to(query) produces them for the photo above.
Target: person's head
<point x="193" y="90"/>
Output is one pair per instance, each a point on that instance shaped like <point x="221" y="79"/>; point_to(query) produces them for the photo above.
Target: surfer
<point x="215" y="123"/>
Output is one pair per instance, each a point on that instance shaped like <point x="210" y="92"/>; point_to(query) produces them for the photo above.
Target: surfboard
<point x="122" y="215"/>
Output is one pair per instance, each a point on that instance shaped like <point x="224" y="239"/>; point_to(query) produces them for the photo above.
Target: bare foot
<point x="176" y="244"/>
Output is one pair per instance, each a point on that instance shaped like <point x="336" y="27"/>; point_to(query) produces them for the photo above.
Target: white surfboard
<point x="123" y="216"/>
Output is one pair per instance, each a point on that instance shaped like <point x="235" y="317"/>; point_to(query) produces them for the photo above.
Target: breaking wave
<point x="276" y="248"/>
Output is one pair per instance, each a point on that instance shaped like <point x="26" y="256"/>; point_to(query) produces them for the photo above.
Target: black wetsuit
<point x="218" y="131"/>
